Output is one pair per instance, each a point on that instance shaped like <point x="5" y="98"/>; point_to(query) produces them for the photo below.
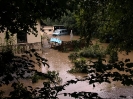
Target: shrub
<point x="35" y="78"/>
<point x="53" y="75"/>
<point x="113" y="56"/>
<point x="77" y="45"/>
<point x="80" y="66"/>
<point x="73" y="56"/>
<point x="93" y="51"/>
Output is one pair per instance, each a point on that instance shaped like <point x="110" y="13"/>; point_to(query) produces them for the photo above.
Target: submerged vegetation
<point x="93" y="51"/>
<point x="80" y="66"/>
<point x="52" y="75"/>
<point x="80" y="57"/>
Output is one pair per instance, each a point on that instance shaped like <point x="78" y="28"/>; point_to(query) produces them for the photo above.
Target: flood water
<point x="59" y="61"/>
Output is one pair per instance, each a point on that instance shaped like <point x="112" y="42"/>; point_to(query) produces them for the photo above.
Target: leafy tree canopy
<point x="114" y="20"/>
<point x="110" y="19"/>
<point x="68" y="20"/>
<point x="17" y="16"/>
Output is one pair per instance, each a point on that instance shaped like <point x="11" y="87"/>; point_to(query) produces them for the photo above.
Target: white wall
<point x="2" y="36"/>
<point x="30" y="37"/>
<point x="47" y="28"/>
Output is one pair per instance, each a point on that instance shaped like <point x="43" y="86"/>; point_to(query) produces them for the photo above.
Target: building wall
<point x="30" y="37"/>
<point x="48" y="29"/>
<point x="2" y="36"/>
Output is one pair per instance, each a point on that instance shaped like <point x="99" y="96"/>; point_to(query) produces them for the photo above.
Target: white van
<point x="60" y="32"/>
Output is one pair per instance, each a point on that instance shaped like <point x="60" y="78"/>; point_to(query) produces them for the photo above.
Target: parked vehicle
<point x="60" y="32"/>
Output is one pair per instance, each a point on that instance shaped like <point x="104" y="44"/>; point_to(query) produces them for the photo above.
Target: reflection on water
<point x="59" y="61"/>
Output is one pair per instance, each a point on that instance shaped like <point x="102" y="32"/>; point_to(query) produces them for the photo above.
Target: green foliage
<point x="8" y="44"/>
<point x="99" y="72"/>
<point x="18" y="65"/>
<point x="113" y="56"/>
<point x="20" y="91"/>
<point x="35" y="78"/>
<point x="49" y="76"/>
<point x="93" y="51"/>
<point x="76" y="44"/>
<point x="21" y="16"/>
<point x="54" y="76"/>
<point x="73" y="56"/>
<point x="80" y="66"/>
<point x="111" y="21"/>
<point x="85" y="18"/>
<point x="115" y="20"/>
<point x="68" y="20"/>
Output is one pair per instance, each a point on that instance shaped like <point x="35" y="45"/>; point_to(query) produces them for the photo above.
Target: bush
<point x="80" y="66"/>
<point x="73" y="56"/>
<point x="113" y="56"/>
<point x="52" y="75"/>
<point x="93" y="51"/>
<point x="77" y="45"/>
<point x="35" y="78"/>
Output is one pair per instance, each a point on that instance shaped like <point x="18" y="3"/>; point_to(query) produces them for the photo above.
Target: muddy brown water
<point x="59" y="62"/>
